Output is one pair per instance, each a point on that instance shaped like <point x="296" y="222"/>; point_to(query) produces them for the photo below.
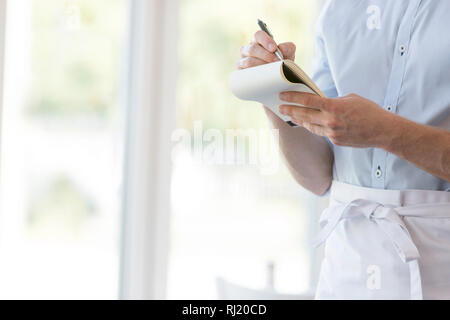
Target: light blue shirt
<point x="397" y="54"/>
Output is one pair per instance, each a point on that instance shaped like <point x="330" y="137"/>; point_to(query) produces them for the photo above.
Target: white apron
<point x="385" y="244"/>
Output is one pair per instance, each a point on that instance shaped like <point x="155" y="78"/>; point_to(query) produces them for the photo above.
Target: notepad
<point x="264" y="83"/>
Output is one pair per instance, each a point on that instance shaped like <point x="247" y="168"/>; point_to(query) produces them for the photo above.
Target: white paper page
<point x="263" y="84"/>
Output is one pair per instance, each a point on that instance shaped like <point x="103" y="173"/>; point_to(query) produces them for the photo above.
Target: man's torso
<point x="397" y="54"/>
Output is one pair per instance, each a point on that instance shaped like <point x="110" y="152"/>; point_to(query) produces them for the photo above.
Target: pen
<point x="264" y="28"/>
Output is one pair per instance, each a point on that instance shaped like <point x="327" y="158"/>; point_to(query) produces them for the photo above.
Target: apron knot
<point x="388" y="220"/>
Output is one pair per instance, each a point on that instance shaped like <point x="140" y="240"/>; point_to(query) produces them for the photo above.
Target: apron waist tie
<point x="390" y="222"/>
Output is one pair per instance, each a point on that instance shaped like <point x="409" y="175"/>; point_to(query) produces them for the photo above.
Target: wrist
<point x="395" y="133"/>
<point x="398" y="131"/>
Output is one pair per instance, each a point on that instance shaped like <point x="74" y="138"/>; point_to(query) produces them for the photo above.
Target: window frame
<point x="150" y="100"/>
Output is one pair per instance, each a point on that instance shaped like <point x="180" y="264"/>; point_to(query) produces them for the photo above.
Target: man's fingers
<point x="315" y="129"/>
<point x="304" y="114"/>
<point x="249" y="62"/>
<point x="264" y="40"/>
<point x="297" y="121"/>
<point x="288" y="49"/>
<point x="311" y="127"/>
<point x="257" y="51"/>
<point x="305" y="99"/>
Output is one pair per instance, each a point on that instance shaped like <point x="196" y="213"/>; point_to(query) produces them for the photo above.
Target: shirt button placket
<point x="378" y="173"/>
<point x="380" y="156"/>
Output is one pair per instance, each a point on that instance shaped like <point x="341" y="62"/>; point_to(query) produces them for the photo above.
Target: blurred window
<point x="61" y="158"/>
<point x="232" y="219"/>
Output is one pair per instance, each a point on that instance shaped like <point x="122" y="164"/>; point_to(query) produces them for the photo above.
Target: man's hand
<point x="360" y="123"/>
<point x="350" y="121"/>
<point x="261" y="50"/>
<point x="313" y="169"/>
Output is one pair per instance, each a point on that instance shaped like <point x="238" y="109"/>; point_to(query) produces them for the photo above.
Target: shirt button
<point x="378" y="173"/>
<point x="402" y="49"/>
<point x="389" y="108"/>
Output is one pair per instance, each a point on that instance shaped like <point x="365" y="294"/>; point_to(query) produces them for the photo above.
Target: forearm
<point x="308" y="156"/>
<point x="426" y="147"/>
<point x="356" y="122"/>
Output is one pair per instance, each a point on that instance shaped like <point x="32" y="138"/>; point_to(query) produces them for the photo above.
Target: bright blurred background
<point x="62" y="138"/>
<point x="63" y="142"/>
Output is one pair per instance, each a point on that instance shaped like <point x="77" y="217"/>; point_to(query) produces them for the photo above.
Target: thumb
<point x="288" y="49"/>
